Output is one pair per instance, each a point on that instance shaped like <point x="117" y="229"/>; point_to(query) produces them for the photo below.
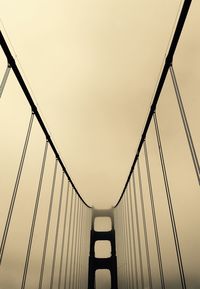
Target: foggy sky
<point x="92" y="69"/>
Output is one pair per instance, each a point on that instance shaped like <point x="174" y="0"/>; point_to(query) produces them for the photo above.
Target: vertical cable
<point x="88" y="238"/>
<point x="79" y="247"/>
<point x="5" y="77"/>
<point x="162" y="280"/>
<point x="133" y="237"/>
<point x="15" y="190"/>
<point x="78" y="255"/>
<point x="124" y="271"/>
<point x="57" y="230"/>
<point x="84" y="275"/>
<point x="47" y="227"/>
<point x="74" y="273"/>
<point x="82" y="222"/>
<point x="144" y="226"/>
<point x="171" y="211"/>
<point x="71" y="263"/>
<point x="138" y="232"/>
<point x="63" y="236"/>
<point x="69" y="236"/>
<point x="118" y="245"/>
<point x="34" y="218"/>
<point x="129" y="237"/>
<point x="185" y="123"/>
<point x="126" y="243"/>
<point x="123" y="244"/>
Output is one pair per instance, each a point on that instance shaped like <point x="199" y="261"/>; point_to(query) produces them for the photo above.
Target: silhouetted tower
<point x="109" y="263"/>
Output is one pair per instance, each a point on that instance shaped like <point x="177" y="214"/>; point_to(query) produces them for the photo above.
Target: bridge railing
<point x="153" y="247"/>
<point x="45" y="223"/>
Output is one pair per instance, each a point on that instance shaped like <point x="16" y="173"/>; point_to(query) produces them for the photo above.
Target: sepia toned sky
<point x="92" y="69"/>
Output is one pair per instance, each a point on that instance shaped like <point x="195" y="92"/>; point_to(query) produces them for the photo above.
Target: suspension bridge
<point x="61" y="234"/>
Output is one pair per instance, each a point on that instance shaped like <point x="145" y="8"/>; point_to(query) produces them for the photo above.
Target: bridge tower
<point x="109" y="263"/>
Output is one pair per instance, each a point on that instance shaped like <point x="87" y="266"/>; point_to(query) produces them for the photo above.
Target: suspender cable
<point x="63" y="236"/>
<point x="87" y="227"/>
<point x="83" y="277"/>
<point x="28" y="253"/>
<point x="127" y="241"/>
<point x="138" y="232"/>
<point x="154" y="217"/>
<point x="185" y="124"/>
<point x="171" y="211"/>
<point x="74" y="263"/>
<point x="130" y="267"/>
<point x="120" y="242"/>
<point x="144" y="226"/>
<point x="125" y="248"/>
<point x="57" y="230"/>
<point x="73" y="202"/>
<point x="78" y="249"/>
<point x="5" y="77"/>
<point x="117" y="245"/>
<point x="79" y="279"/>
<point x="120" y="246"/>
<point x="129" y="237"/>
<point x="15" y="190"/>
<point x="69" y="235"/>
<point x="133" y="238"/>
<point x="71" y="263"/>
<point x="47" y="227"/>
<point x="75" y="273"/>
<point x="89" y="221"/>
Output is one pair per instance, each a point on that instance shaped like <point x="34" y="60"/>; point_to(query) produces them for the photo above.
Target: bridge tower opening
<point x="109" y="263"/>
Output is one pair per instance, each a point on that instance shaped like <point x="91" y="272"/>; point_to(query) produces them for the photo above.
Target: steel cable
<point x="69" y="236"/>
<point x="71" y="263"/>
<point x="144" y="226"/>
<point x="63" y="236"/>
<point x="138" y="233"/>
<point x="57" y="230"/>
<point x="28" y="253"/>
<point x="133" y="237"/>
<point x="16" y="186"/>
<point x="73" y="201"/>
<point x="185" y="124"/>
<point x="5" y="77"/>
<point x="129" y="235"/>
<point x="170" y="206"/>
<point x="47" y="227"/>
<point x="162" y="280"/>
